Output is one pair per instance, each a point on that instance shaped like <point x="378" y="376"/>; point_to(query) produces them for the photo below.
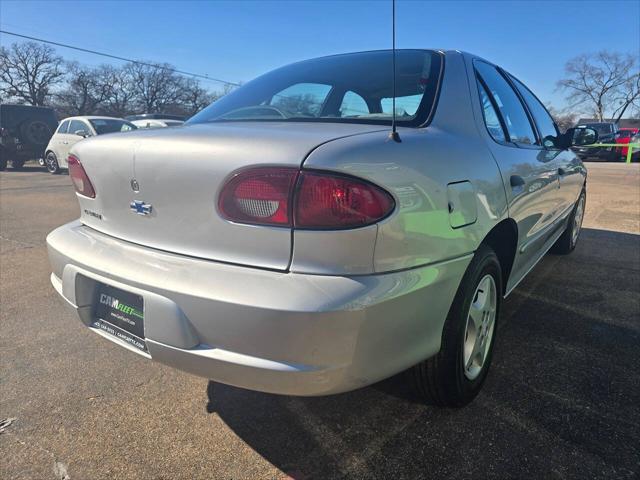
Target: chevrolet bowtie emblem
<point x="140" y="207"/>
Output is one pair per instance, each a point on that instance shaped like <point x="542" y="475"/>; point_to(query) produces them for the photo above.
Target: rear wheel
<point x="569" y="238"/>
<point x="51" y="162"/>
<point x="455" y="375"/>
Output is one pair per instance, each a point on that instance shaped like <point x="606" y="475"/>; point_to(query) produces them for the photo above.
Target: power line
<point x="108" y="55"/>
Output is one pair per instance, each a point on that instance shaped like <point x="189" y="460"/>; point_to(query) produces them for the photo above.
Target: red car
<point x="625" y="136"/>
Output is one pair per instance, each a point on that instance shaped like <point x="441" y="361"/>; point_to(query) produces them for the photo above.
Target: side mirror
<point x="82" y="133"/>
<point x="577" y="137"/>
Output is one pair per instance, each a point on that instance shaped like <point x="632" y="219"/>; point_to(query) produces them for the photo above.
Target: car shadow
<point x="560" y="399"/>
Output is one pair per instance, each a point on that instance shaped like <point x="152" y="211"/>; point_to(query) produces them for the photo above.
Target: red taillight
<point x="79" y="178"/>
<point x="259" y="195"/>
<point x="304" y="199"/>
<point x="326" y="200"/>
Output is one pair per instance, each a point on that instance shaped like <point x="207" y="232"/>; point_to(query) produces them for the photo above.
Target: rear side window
<point x="546" y="125"/>
<point x="64" y="127"/>
<point x="491" y="119"/>
<point x="511" y="109"/>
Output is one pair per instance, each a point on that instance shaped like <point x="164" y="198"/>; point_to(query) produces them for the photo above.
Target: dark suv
<point x="24" y="133"/>
<point x="608" y="132"/>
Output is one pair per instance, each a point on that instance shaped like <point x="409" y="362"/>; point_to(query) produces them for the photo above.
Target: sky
<point x="239" y="40"/>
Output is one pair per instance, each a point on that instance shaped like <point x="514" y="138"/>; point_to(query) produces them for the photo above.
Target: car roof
<point x="92" y="117"/>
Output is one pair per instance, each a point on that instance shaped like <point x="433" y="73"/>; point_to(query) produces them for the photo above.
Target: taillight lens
<point x="260" y="195"/>
<point x="303" y="199"/>
<point x="326" y="200"/>
<point x="79" y="178"/>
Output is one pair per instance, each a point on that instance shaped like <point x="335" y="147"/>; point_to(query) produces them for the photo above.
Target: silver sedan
<point x="283" y="241"/>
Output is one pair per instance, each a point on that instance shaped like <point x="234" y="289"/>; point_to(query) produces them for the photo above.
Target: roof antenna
<point x="393" y="135"/>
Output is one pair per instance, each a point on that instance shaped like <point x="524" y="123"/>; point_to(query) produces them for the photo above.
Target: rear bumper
<point x="270" y="331"/>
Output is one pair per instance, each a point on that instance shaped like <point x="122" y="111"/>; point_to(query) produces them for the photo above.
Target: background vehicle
<point x="626" y="134"/>
<point x="155" y="116"/>
<point x="157" y="123"/>
<point x="24" y="133"/>
<point x="635" y="155"/>
<point x="304" y="251"/>
<point x="74" y="129"/>
<point x="608" y="132"/>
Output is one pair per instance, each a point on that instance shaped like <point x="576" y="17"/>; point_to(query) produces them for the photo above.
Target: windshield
<point x="356" y="88"/>
<point x="107" y="125"/>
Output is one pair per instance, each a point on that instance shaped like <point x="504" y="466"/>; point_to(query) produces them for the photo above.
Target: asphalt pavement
<point x="561" y="399"/>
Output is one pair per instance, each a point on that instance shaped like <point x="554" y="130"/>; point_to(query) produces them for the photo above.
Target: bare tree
<point x="195" y="98"/>
<point x="29" y="72"/>
<point x="605" y="82"/>
<point x="120" y="96"/>
<point x="564" y="120"/>
<point x="155" y="87"/>
<point x="85" y="93"/>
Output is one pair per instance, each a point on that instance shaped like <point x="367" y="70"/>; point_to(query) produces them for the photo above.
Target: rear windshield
<point x="354" y="88"/>
<point x="106" y="125"/>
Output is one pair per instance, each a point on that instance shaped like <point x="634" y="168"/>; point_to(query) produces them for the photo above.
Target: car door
<point x="529" y="174"/>
<point x="570" y="168"/>
<point x="71" y="138"/>
<point x="56" y="142"/>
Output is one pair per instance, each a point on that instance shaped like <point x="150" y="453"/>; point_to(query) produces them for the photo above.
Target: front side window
<point x="513" y="113"/>
<point x="491" y="119"/>
<point x="64" y="127"/>
<point x="353" y="88"/>
<point x="544" y="121"/>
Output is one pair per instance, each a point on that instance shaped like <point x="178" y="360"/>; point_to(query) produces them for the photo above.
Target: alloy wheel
<point x="480" y="326"/>
<point x="577" y="220"/>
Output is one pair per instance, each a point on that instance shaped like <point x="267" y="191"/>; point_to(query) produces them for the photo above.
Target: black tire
<point x="3" y="160"/>
<point x="51" y="162"/>
<point x="568" y="240"/>
<point x="442" y="380"/>
<point x="17" y="164"/>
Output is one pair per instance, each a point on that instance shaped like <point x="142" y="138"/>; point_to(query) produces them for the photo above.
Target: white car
<point x="73" y="129"/>
<point x="157" y="123"/>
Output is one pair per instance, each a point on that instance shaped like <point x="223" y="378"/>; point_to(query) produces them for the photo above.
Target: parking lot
<point x="561" y="400"/>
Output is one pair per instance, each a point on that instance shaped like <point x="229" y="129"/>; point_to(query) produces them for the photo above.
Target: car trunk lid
<point x="159" y="188"/>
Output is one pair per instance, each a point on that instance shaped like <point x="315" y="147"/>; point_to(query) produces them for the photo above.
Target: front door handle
<point x="516" y="181"/>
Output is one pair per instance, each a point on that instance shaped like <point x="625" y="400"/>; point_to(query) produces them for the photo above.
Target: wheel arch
<point x="503" y="239"/>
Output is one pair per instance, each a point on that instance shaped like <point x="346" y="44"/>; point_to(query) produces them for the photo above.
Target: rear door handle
<point x="516" y="181"/>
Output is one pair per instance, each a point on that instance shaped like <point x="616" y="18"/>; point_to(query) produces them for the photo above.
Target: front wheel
<point x="51" y="162"/>
<point x="455" y="375"/>
<point x="569" y="238"/>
